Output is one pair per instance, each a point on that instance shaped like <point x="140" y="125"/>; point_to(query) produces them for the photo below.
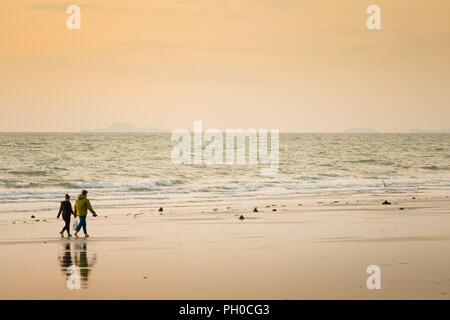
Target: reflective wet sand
<point x="307" y="252"/>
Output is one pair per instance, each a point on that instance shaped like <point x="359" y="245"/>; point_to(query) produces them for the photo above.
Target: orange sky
<point x="289" y="64"/>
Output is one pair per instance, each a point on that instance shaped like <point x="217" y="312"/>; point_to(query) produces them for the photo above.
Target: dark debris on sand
<point x="386" y="202"/>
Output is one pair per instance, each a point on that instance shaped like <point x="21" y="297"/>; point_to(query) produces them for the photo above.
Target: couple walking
<point x="82" y="205"/>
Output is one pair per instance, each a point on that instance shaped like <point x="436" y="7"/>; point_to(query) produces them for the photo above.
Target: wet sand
<point x="312" y="251"/>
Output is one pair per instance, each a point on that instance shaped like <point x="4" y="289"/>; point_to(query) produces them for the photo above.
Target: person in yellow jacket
<point x="82" y="205"/>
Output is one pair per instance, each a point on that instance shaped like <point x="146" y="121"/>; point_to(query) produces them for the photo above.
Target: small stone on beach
<point x="160" y="209"/>
<point x="32" y="217"/>
<point x="274" y="209"/>
<point x="241" y="217"/>
<point x="255" y="210"/>
<point x="402" y="208"/>
<point x="386" y="202"/>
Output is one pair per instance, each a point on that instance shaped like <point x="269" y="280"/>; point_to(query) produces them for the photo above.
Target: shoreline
<point x="237" y="205"/>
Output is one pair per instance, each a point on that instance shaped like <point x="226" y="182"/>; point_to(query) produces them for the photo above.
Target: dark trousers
<point x="67" y="223"/>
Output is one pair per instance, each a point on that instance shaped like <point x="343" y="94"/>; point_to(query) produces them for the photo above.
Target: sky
<point x="295" y="65"/>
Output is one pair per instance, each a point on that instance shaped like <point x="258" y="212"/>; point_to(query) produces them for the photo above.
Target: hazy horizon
<point x="190" y="128"/>
<point x="299" y="66"/>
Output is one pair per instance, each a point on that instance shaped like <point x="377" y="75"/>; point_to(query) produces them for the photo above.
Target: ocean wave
<point x="32" y="173"/>
<point x="114" y="185"/>
<point x="23" y="199"/>
<point x="92" y="185"/>
<point x="18" y="185"/>
<point x="333" y="175"/>
<point x="363" y="161"/>
<point x="166" y="183"/>
<point x="309" y="178"/>
<point x="140" y="189"/>
<point x="372" y="161"/>
<point x="433" y="167"/>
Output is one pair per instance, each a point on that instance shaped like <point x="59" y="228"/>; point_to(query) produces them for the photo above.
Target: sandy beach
<point x="308" y="251"/>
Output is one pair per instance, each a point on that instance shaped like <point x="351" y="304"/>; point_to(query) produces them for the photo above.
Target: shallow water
<point x="37" y="169"/>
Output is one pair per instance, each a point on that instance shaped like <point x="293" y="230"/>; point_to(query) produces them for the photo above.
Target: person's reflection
<point x="82" y="261"/>
<point x="66" y="259"/>
<point x="77" y="261"/>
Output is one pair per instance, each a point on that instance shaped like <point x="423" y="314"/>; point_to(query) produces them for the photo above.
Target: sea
<point x="135" y="170"/>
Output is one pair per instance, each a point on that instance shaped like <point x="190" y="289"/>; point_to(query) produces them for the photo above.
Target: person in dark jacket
<point x="66" y="210"/>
